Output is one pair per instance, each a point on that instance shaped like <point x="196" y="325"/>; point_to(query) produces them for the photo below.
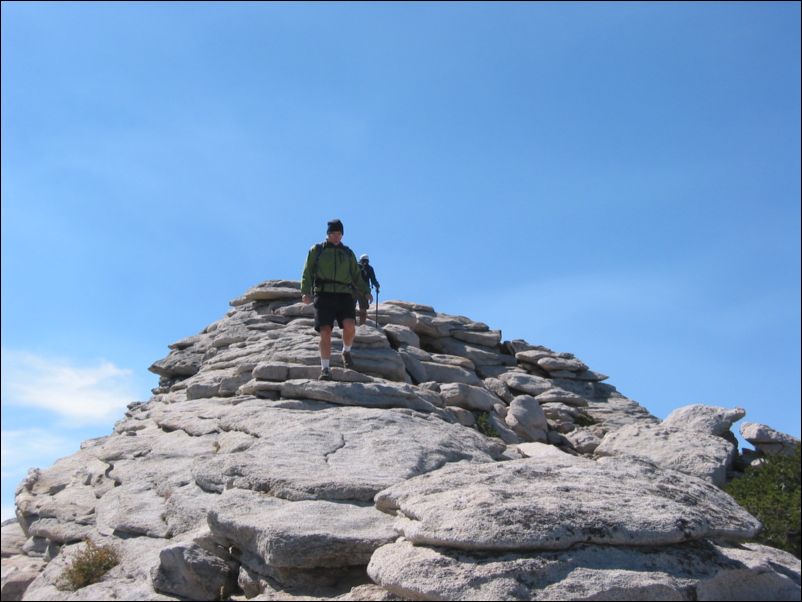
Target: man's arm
<point x="306" y="279"/>
<point x="373" y="277"/>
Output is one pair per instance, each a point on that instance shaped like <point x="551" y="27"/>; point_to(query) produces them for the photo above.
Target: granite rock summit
<point x="448" y="464"/>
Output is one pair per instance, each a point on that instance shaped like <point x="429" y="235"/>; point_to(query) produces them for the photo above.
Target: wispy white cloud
<point x="24" y="449"/>
<point x="78" y="395"/>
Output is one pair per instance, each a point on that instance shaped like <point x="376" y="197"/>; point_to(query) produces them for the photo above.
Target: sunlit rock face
<point x="449" y="463"/>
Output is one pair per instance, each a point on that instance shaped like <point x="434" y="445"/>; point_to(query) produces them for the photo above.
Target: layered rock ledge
<point x="448" y="464"/>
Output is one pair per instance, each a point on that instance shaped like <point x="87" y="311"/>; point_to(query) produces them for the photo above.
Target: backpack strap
<point x="318" y="251"/>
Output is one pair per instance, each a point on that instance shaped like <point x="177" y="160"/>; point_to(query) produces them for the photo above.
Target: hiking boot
<point x="347" y="360"/>
<point x="325" y="374"/>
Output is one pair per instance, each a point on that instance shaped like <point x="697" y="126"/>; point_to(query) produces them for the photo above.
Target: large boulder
<point x="769" y="441"/>
<point x="692" y="452"/>
<point x="526" y="418"/>
<point x="708" y="419"/>
<point x="304" y="534"/>
<point x="531" y="504"/>
<point x="692" y="571"/>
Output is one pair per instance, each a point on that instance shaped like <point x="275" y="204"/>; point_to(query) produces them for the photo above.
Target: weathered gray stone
<point x="557" y="364"/>
<point x="18" y="573"/>
<point x="297" y="310"/>
<point x="468" y="397"/>
<point x="590" y="375"/>
<point x="190" y="571"/>
<point x="486" y="339"/>
<point x="384" y="363"/>
<point x="615" y="411"/>
<point x="551" y="455"/>
<point x="418" y="353"/>
<point x="311" y="452"/>
<point x="583" y="440"/>
<point x="129" y="580"/>
<point x="401" y="335"/>
<point x="274" y="290"/>
<point x="526" y="418"/>
<point x="304" y="534"/>
<point x="340" y="453"/>
<point x="415" y="368"/>
<point x="64" y="492"/>
<point x="505" y="433"/>
<point x="230" y="336"/>
<point x="767" y="440"/>
<point x="375" y="395"/>
<point x="708" y="419"/>
<point x="499" y="388"/>
<point x="411" y="306"/>
<point x="526" y="383"/>
<point x="261" y="388"/>
<point x="531" y="505"/>
<point x="484" y="356"/>
<point x="491" y="371"/>
<point x="691" y="452"/>
<point x="368" y="592"/>
<point x="277" y="371"/>
<point x="13" y="538"/>
<point x="692" y="571"/>
<point x="369" y="336"/>
<point x="390" y="313"/>
<point x="517" y="345"/>
<point x="178" y="363"/>
<point x="532" y="356"/>
<point x="443" y="373"/>
<point x="434" y="327"/>
<point x="133" y="509"/>
<point x="561" y="412"/>
<point x="463" y="416"/>
<point x="558" y="395"/>
<point x="453" y="360"/>
<point x="189" y="342"/>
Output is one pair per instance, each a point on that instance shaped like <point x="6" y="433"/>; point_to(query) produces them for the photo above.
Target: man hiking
<point x="369" y="276"/>
<point x="332" y="275"/>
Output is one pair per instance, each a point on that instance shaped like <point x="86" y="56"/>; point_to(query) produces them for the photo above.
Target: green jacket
<point x="336" y="272"/>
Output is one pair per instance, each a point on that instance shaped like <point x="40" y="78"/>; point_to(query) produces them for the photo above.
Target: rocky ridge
<point x="244" y="477"/>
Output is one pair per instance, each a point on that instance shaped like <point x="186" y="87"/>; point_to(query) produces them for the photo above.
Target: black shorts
<point x="333" y="306"/>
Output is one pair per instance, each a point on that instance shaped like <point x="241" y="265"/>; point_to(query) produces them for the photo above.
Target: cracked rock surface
<point x="449" y="464"/>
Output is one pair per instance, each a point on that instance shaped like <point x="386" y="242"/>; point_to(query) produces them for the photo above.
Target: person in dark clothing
<point x="369" y="276"/>
<point x="332" y="275"/>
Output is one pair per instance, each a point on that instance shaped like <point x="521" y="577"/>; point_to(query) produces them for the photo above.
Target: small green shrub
<point x="771" y="492"/>
<point x="88" y="566"/>
<point x="485" y="426"/>
<point x="583" y="419"/>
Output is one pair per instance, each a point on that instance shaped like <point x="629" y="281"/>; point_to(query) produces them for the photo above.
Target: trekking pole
<point x="377" y="308"/>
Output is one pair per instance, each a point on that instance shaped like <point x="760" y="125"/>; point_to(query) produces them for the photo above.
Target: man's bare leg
<point x="325" y="342"/>
<point x="349" y="332"/>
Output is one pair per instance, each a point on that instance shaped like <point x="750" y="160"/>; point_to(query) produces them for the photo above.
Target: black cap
<point x="335" y="225"/>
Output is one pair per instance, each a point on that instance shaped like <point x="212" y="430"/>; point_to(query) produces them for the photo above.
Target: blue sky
<point x="620" y="181"/>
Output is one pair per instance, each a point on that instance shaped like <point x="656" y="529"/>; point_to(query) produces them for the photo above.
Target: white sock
<point x="346" y="347"/>
<point x="325" y="363"/>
